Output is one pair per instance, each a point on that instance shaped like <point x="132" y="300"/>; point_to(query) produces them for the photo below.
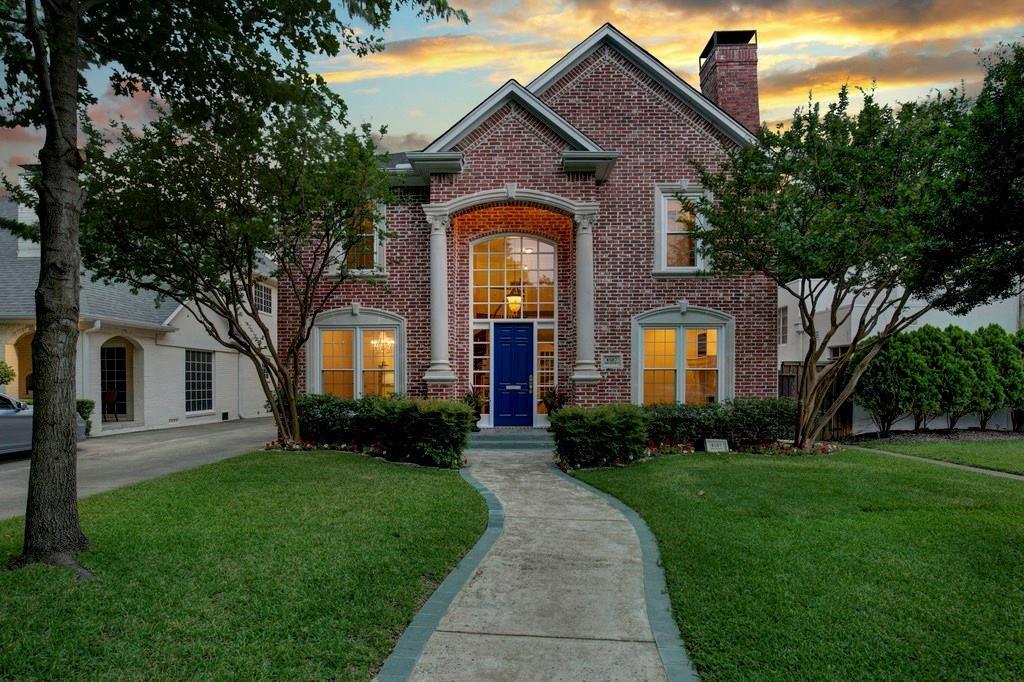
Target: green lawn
<point x="290" y="566"/>
<point x="1003" y="454"/>
<point x="851" y="566"/>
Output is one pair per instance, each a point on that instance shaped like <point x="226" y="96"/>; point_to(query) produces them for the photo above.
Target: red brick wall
<point x="729" y="79"/>
<point x="657" y="137"/>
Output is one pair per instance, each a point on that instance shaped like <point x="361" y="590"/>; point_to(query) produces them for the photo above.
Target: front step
<point x="511" y="439"/>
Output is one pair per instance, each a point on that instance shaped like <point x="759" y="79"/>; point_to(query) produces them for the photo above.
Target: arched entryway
<point x="120" y="368"/>
<point x="513" y="326"/>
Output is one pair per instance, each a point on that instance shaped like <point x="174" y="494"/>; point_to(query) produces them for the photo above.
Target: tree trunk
<point x="1017" y="419"/>
<point x="52" y="531"/>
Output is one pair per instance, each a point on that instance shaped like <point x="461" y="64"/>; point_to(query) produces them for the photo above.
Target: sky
<point x="431" y="74"/>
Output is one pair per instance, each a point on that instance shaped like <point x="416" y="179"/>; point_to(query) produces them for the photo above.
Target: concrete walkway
<point x="559" y="597"/>
<point x="108" y="462"/>
<point x="942" y="463"/>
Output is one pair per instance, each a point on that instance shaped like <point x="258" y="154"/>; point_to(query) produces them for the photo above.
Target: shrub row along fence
<point x="619" y="434"/>
<point x="931" y="372"/>
<point x="428" y="432"/>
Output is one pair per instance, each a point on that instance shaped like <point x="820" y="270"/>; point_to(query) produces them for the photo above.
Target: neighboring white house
<point x="1007" y="313"/>
<point x="146" y="364"/>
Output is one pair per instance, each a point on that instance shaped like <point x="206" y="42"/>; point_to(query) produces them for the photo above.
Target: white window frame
<point x="682" y="317"/>
<point x="356" y="319"/>
<point x="379" y="261"/>
<point x="213" y="383"/>
<point x="263" y="294"/>
<point x="663" y="192"/>
<point x="783" y="322"/>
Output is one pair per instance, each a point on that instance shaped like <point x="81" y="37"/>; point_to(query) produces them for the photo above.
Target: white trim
<point x="511" y="192"/>
<point x="682" y="316"/>
<point x="356" y="318"/>
<point x="650" y="65"/>
<point x="663" y="192"/>
<point x="512" y="91"/>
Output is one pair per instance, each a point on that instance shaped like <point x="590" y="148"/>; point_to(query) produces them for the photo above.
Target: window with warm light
<point x="358" y="362"/>
<point x="513" y="278"/>
<point x="680" y="364"/>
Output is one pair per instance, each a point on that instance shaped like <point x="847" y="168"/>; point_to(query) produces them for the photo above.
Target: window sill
<point x="204" y="413"/>
<point x="676" y="274"/>
<point x="362" y="275"/>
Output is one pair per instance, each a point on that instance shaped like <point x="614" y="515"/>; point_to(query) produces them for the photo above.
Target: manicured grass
<point x="1003" y="454"/>
<point x="269" y="565"/>
<point x="851" y="566"/>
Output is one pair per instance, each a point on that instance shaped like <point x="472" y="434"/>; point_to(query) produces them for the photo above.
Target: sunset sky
<point x="431" y="74"/>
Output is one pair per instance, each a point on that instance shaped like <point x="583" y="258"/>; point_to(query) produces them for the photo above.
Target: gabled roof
<point x="512" y="91"/>
<point x="646" y="62"/>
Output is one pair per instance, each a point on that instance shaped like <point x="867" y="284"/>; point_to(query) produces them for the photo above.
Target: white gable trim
<point x="652" y="67"/>
<point x="512" y="91"/>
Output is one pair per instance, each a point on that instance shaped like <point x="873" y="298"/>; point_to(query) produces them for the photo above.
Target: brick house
<point x="535" y="245"/>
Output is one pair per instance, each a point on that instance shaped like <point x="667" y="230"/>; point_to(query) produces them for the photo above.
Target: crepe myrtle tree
<point x="202" y="216"/>
<point x="210" y="58"/>
<point x="835" y="209"/>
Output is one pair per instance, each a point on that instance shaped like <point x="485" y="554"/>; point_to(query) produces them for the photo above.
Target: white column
<point x="585" y="370"/>
<point x="440" y="371"/>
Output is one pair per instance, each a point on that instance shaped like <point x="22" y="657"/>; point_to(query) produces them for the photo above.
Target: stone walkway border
<point x="403" y="659"/>
<point x="940" y="462"/>
<point x="678" y="667"/>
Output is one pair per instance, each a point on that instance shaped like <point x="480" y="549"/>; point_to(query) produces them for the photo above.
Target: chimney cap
<point x="728" y="38"/>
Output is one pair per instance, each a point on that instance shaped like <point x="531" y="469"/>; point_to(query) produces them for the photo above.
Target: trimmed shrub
<point x="598" y="436"/>
<point x="681" y="424"/>
<point x="428" y="432"/>
<point x="896" y="382"/>
<point x="1008" y="362"/>
<point x="744" y="422"/>
<point x="84" y="407"/>
<point x="759" y="421"/>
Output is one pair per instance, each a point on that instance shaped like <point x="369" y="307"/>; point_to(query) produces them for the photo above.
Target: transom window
<point x="680" y="364"/>
<point x="513" y="278"/>
<point x="676" y="250"/>
<point x="198" y="381"/>
<point x="358" y="362"/>
<point x="264" y="298"/>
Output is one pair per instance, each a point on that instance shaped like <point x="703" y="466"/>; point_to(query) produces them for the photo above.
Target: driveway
<point x="108" y="462"/>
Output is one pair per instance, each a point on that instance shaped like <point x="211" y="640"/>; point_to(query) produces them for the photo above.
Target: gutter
<point x="119" y="321"/>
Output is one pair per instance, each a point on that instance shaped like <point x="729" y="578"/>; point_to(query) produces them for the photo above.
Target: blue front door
<point x="513" y="373"/>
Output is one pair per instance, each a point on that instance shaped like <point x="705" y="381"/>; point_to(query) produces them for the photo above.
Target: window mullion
<point x="680" y="364"/>
<point x="357" y="351"/>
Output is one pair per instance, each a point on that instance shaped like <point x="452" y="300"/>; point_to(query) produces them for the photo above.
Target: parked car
<point x="16" y="426"/>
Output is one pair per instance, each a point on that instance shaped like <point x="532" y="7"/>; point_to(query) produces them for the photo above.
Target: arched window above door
<point x="513" y="278"/>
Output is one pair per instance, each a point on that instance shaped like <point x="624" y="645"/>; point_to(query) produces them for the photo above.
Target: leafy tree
<point x="981" y="392"/>
<point x="1008" y="362"/>
<point x="889" y="384"/>
<point x="979" y="251"/>
<point x="932" y="346"/>
<point x="6" y="373"/>
<point x="212" y="59"/>
<point x="835" y="209"/>
<point x="193" y="212"/>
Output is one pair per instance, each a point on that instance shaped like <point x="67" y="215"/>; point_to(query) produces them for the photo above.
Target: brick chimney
<point x="728" y="75"/>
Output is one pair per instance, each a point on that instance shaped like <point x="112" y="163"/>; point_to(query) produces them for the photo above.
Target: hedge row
<point x="931" y="372"/>
<point x="618" y="434"/>
<point x="428" y="432"/>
